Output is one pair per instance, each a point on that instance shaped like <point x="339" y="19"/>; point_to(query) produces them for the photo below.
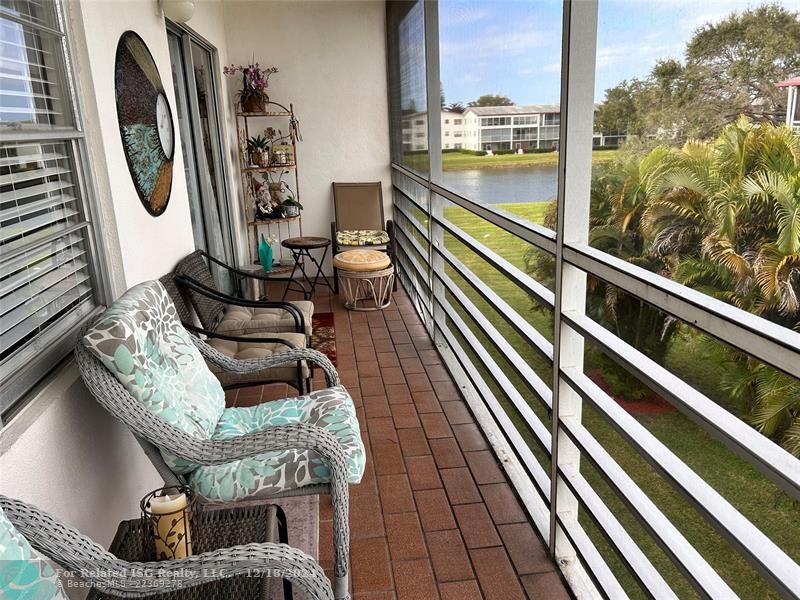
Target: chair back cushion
<point x="140" y="339"/>
<point x="178" y="297"/>
<point x="358" y="206"/>
<point x="24" y="573"/>
<point x="196" y="267"/>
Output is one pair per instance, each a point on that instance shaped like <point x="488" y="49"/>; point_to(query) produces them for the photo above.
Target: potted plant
<point x="291" y="207"/>
<point x="258" y="148"/>
<point x="255" y="81"/>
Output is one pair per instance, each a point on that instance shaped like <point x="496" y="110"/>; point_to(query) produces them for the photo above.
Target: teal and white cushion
<point x="273" y="472"/>
<point x="24" y="573"/>
<point x="140" y="339"/>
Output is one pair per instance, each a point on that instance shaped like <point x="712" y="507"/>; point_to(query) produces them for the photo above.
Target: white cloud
<point x="492" y="42"/>
<point x="608" y="56"/>
<point x="470" y="14"/>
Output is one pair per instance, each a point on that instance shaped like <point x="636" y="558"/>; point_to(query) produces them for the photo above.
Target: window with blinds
<point x="46" y="272"/>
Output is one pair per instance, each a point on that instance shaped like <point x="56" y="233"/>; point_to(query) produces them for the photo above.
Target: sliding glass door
<point x="194" y="76"/>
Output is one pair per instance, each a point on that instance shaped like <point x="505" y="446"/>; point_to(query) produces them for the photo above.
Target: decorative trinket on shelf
<point x="282" y="154"/>
<point x="265" y="252"/>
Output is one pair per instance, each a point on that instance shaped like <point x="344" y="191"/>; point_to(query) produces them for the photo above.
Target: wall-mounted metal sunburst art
<point x="145" y="122"/>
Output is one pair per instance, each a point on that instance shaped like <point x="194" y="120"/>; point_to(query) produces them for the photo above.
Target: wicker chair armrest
<point x="237" y="338"/>
<point x="251" y="365"/>
<point x="89" y="561"/>
<point x="196" y="286"/>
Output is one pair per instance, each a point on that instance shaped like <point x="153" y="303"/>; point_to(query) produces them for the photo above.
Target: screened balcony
<point x="520" y="442"/>
<point x="627" y="504"/>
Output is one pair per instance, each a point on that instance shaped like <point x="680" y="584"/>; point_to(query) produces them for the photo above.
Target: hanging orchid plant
<point x="255" y="79"/>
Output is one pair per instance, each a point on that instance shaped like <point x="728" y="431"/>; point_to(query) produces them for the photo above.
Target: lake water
<point x="497" y="186"/>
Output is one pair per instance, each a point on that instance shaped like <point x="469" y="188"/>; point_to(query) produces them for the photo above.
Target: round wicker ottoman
<point x="366" y="277"/>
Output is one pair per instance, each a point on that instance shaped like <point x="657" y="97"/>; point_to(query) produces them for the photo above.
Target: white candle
<point x="172" y="526"/>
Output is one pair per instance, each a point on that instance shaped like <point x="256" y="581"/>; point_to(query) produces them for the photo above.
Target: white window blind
<point x="46" y="269"/>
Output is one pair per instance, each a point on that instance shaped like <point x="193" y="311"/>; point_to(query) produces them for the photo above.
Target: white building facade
<point x="493" y="128"/>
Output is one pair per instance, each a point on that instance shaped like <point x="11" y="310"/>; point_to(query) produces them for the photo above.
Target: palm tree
<point x="457" y="107"/>
<point x="725" y="215"/>
<point x="620" y="195"/>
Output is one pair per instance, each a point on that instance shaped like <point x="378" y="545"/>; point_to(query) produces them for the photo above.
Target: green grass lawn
<point x="758" y="499"/>
<point x="456" y="161"/>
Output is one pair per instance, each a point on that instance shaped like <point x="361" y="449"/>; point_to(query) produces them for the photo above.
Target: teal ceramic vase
<point x="265" y="254"/>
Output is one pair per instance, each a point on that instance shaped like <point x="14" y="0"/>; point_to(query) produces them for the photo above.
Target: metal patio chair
<point x="359" y="220"/>
<point x="203" y="460"/>
<point x="79" y="555"/>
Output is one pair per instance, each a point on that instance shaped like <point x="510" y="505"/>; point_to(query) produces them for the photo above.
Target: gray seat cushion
<point x="242" y="320"/>
<point x="247" y="350"/>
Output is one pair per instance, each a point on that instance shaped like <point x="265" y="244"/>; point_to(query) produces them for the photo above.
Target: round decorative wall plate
<point x="145" y="122"/>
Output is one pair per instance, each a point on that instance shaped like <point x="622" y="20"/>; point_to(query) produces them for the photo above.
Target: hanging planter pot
<point x="255" y="103"/>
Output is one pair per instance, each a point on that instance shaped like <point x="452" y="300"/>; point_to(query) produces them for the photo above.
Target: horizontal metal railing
<point x="766" y="341"/>
<point x="753" y="335"/>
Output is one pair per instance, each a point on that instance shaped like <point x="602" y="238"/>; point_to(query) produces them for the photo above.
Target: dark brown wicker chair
<point x="194" y="279"/>
<point x="247" y="346"/>
<point x="359" y="220"/>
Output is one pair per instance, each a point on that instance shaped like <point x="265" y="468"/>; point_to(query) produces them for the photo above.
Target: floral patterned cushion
<point x="140" y="339"/>
<point x="277" y="471"/>
<point x="362" y="237"/>
<point x="24" y="573"/>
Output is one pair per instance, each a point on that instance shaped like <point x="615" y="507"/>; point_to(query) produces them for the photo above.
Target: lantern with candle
<point x="166" y="514"/>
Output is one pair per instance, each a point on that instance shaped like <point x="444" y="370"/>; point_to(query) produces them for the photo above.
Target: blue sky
<point x="513" y="47"/>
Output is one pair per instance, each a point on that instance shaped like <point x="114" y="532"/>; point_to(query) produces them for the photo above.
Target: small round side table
<point x="301" y="248"/>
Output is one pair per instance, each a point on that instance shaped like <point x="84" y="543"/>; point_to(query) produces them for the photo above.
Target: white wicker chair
<point x="154" y="434"/>
<point x="106" y="573"/>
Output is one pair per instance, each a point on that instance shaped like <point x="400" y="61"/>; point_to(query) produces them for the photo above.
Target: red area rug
<point x="323" y="336"/>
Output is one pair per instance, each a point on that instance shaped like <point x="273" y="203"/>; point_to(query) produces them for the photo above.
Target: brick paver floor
<point x="435" y="516"/>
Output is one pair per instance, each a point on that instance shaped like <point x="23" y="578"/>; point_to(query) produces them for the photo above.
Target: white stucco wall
<point x="150" y="246"/>
<point x="63" y="452"/>
<point x="332" y="62"/>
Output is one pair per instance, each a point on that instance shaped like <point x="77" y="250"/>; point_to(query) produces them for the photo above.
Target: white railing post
<point x="435" y="204"/>
<point x="574" y="172"/>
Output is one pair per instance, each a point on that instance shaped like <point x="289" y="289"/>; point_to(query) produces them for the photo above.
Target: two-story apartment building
<point x="494" y="128"/>
<point x="512" y="127"/>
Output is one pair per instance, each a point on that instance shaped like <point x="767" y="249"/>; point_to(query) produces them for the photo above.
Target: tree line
<point x="730" y="69"/>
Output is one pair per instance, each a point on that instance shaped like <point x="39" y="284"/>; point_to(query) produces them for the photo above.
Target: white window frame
<point x="42" y="354"/>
